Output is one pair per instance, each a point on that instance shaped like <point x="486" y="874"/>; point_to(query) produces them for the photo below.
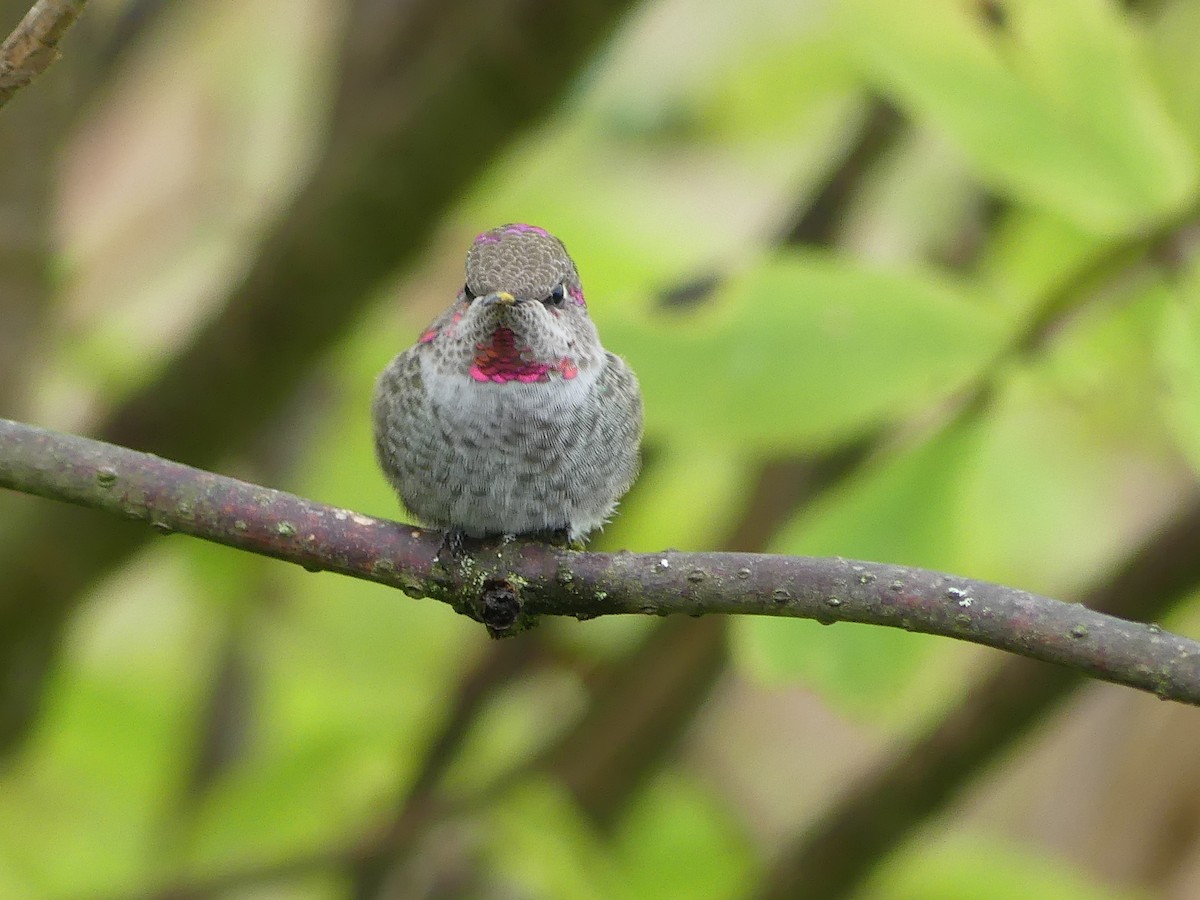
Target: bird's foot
<point x="557" y="537"/>
<point x="454" y="546"/>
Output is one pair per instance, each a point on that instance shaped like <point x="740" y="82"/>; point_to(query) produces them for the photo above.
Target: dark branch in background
<point x="373" y="865"/>
<point x="819" y="218"/>
<point x="27" y="130"/>
<point x="512" y="583"/>
<point x="135" y="19"/>
<point x="824" y="214"/>
<point x="638" y="716"/>
<point x="33" y="44"/>
<point x="413" y="74"/>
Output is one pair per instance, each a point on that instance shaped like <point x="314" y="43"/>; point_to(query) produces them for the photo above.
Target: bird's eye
<point x="557" y="296"/>
<point x="468" y="293"/>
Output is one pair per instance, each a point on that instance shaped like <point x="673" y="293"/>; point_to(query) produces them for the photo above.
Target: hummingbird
<point x="508" y="416"/>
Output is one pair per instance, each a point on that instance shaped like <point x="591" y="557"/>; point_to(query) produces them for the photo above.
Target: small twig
<point x="553" y="581"/>
<point x="33" y="45"/>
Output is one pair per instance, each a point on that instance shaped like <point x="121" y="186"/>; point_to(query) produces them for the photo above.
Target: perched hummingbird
<point x="508" y="416"/>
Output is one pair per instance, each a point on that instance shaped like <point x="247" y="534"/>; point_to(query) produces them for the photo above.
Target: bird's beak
<point x="499" y="298"/>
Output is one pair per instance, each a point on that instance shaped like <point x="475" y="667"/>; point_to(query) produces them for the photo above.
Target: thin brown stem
<point x="33" y="45"/>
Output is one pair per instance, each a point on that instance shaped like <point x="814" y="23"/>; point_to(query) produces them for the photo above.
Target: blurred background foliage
<point x="913" y="282"/>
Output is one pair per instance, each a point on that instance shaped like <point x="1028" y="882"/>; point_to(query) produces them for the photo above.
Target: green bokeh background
<point x="1033" y="152"/>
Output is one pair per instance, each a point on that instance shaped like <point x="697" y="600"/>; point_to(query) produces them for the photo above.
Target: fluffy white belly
<point x="512" y="457"/>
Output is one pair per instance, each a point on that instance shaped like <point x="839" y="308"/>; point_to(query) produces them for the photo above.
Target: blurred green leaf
<point x="1031" y="255"/>
<point x="99" y="778"/>
<point x="688" y="498"/>
<point x="1074" y="459"/>
<point x="331" y="749"/>
<point x="15" y="880"/>
<point x="804" y="350"/>
<point x="1172" y="34"/>
<point x="1179" y="351"/>
<point x="540" y="844"/>
<point x="520" y="720"/>
<point x="1064" y="470"/>
<point x="958" y="866"/>
<point x="753" y="122"/>
<point x="778" y="90"/>
<point x="677" y="841"/>
<point x="1056" y="107"/>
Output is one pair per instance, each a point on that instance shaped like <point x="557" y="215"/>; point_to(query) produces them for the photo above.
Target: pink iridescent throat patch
<point x="502" y="361"/>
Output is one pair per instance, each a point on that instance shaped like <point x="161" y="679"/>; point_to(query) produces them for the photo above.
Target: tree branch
<point x="508" y="584"/>
<point x="33" y="45"/>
